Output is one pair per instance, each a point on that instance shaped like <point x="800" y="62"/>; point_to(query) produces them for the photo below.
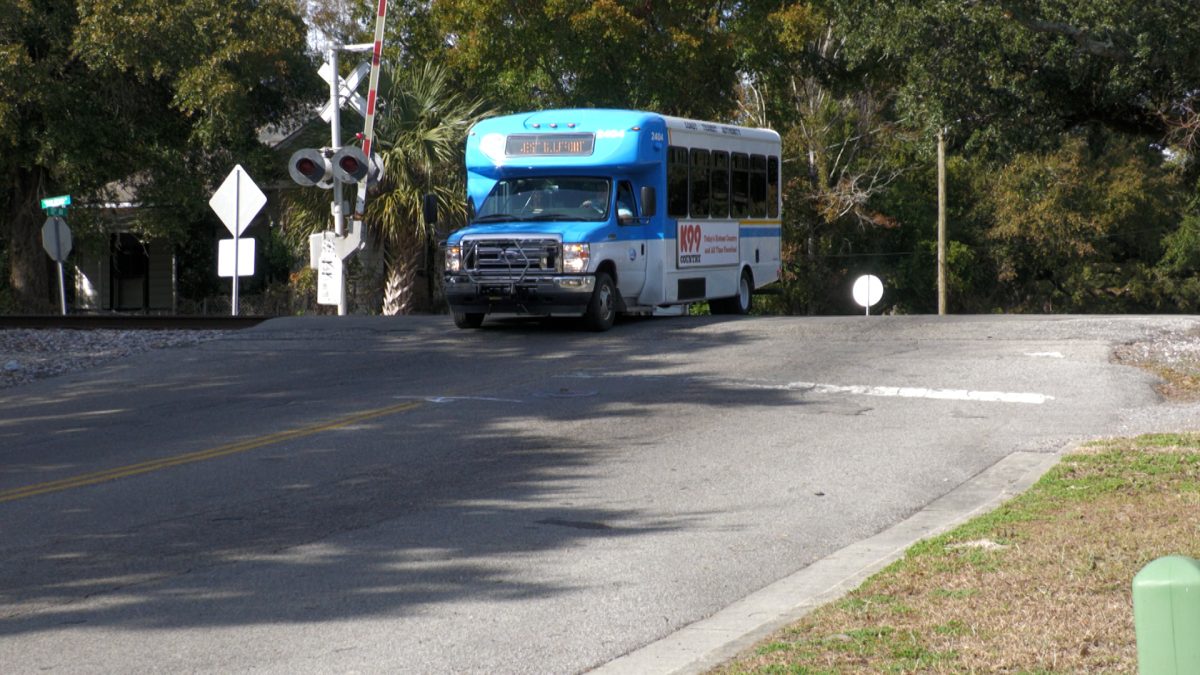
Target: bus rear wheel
<point x="739" y="304"/>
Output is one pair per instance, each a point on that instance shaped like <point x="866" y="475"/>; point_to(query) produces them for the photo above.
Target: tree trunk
<point x="28" y="273"/>
<point x="406" y="289"/>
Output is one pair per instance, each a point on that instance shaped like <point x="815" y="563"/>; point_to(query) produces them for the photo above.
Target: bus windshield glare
<point x="547" y="198"/>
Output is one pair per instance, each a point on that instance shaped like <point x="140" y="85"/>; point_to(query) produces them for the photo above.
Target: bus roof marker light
<point x="636" y="129"/>
<point x="554" y="125"/>
<point x="570" y="125"/>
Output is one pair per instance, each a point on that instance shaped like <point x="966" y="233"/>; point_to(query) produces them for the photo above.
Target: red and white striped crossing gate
<point x="360" y="205"/>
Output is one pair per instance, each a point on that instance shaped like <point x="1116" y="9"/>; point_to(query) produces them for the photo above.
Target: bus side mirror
<point x="649" y="201"/>
<point x="430" y="209"/>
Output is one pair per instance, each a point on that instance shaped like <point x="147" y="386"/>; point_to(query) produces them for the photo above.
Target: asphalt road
<point x="395" y="495"/>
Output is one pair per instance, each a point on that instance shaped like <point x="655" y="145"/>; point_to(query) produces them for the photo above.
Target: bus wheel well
<point x="750" y="273"/>
<point x="608" y="267"/>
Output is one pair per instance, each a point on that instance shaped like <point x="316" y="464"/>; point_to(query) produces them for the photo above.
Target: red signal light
<point x="306" y="166"/>
<point x="309" y="167"/>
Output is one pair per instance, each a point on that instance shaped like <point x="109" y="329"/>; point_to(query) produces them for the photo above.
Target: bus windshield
<point x="547" y="198"/>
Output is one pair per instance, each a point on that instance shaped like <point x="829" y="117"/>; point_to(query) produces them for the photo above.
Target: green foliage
<point x="1077" y="229"/>
<point x="1059" y="198"/>
<point x="421" y="134"/>
<point x="1012" y="74"/>
<point x="672" y="56"/>
<point x="150" y="102"/>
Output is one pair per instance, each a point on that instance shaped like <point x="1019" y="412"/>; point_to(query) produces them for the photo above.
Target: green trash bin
<point x="1166" y="616"/>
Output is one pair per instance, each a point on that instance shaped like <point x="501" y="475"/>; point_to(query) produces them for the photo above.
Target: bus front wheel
<point x="468" y="319"/>
<point x="602" y="310"/>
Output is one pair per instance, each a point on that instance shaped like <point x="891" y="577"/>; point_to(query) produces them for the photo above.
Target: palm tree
<point x="422" y="128"/>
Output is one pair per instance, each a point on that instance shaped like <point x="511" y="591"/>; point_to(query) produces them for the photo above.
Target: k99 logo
<point x="689" y="238"/>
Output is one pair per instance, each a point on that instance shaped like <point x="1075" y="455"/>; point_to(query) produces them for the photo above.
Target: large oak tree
<point x="159" y="96"/>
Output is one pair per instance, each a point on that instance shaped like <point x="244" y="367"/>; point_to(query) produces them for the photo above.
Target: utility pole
<point x="941" y="221"/>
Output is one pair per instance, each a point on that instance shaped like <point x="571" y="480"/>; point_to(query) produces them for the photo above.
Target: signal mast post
<point x="335" y="133"/>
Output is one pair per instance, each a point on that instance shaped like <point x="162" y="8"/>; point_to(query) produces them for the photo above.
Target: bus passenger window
<point x="772" y="187"/>
<point x="758" y="186"/>
<point x="720" y="184"/>
<point x="677" y="181"/>
<point x="699" y="183"/>
<point x="739" y="187"/>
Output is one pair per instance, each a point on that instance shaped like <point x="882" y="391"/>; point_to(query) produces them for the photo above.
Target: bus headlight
<point x="453" y="259"/>
<point x="575" y="258"/>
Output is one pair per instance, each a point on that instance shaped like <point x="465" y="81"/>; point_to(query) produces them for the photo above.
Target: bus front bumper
<point x="543" y="296"/>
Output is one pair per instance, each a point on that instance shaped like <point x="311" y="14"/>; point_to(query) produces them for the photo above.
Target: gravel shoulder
<point x="33" y="354"/>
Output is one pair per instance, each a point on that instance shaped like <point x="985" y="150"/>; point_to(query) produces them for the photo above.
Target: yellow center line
<point x="199" y="456"/>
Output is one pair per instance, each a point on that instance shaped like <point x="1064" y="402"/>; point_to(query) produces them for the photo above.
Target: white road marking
<point x="1048" y="355"/>
<point x="912" y="392"/>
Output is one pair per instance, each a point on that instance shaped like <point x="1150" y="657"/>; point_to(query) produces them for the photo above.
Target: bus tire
<point x="468" y="319"/>
<point x="739" y="304"/>
<point x="602" y="310"/>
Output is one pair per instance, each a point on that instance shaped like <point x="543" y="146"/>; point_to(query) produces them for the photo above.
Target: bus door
<point x="631" y="265"/>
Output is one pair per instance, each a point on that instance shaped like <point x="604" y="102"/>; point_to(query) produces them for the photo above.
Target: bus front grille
<point x="511" y="257"/>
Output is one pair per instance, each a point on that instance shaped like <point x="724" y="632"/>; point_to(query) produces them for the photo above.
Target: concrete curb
<point x="710" y="642"/>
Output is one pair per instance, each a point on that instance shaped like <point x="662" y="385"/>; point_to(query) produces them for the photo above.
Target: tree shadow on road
<point x="467" y="497"/>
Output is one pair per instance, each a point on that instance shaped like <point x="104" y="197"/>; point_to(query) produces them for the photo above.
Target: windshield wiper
<point x="496" y="218"/>
<point x="554" y="216"/>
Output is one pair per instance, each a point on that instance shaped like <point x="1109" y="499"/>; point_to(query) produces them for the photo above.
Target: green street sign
<point x="56" y="202"/>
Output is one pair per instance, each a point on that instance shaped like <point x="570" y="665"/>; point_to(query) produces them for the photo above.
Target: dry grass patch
<point x="1041" y="585"/>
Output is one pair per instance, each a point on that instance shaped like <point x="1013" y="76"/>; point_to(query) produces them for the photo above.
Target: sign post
<point x="56" y="239"/>
<point x="236" y="203"/>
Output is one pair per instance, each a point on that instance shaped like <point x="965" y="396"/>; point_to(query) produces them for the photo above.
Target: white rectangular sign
<point x="703" y="243"/>
<point x="245" y="257"/>
<point x="330" y="289"/>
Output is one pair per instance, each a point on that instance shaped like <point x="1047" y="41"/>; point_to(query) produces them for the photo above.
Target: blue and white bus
<point x="598" y="212"/>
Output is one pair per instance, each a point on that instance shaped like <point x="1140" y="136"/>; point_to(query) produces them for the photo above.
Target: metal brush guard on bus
<point x="510" y="260"/>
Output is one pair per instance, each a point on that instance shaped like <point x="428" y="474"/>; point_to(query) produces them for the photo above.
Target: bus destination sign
<point x="523" y="145"/>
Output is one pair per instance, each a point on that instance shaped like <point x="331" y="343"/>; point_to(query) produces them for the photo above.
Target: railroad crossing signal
<point x="346" y="93"/>
<point x="321" y="167"/>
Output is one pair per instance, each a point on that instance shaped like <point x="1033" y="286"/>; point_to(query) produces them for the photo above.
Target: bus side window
<point x="740" y="185"/>
<point x="720" y="184"/>
<point x="699" y="183"/>
<point x="677" y="181"/>
<point x="758" y="186"/>
<point x="772" y="187"/>
<point x="626" y="204"/>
